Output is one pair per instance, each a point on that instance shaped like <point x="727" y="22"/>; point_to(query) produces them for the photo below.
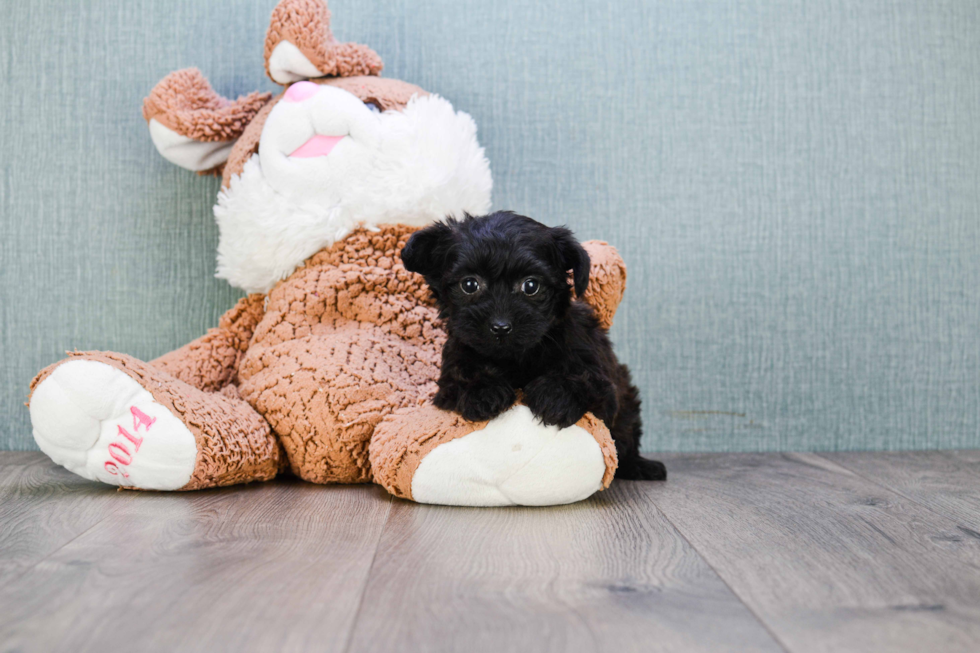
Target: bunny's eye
<point x="372" y="106"/>
<point x="469" y="285"/>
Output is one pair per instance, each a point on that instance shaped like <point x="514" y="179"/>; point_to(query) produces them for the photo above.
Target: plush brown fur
<point x="184" y="102"/>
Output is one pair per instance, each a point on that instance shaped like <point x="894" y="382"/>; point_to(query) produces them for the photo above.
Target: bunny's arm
<point x="607" y="280"/>
<point x="211" y="362"/>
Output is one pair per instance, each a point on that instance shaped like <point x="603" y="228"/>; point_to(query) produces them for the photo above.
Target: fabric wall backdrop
<point x="795" y="187"/>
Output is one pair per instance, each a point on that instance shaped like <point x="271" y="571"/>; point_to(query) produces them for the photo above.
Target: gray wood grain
<point x="43" y="507"/>
<point x="278" y="566"/>
<point x="945" y="481"/>
<point x="609" y="574"/>
<point x="735" y="552"/>
<point x="827" y="559"/>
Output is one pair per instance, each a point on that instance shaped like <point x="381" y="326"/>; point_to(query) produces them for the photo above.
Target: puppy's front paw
<point x="553" y="404"/>
<point x="447" y="398"/>
<point x="485" y="402"/>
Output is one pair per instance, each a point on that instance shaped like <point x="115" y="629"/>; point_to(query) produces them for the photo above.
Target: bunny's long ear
<point x="194" y="127"/>
<point x="299" y="45"/>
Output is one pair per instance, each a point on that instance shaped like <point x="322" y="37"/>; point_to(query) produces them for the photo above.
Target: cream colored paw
<point x="99" y="423"/>
<point x="514" y="460"/>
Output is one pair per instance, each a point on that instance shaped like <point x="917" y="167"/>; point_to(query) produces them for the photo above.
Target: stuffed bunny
<point x="327" y="367"/>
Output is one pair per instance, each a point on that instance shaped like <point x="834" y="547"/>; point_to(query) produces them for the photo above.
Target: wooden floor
<point x="795" y="552"/>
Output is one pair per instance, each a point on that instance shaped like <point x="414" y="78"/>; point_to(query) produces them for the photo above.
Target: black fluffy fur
<point x="555" y="351"/>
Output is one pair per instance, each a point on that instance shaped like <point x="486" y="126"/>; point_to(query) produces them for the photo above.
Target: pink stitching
<point x="115" y="467"/>
<point x="139" y="417"/>
<point x="121" y="454"/>
<point x="137" y="440"/>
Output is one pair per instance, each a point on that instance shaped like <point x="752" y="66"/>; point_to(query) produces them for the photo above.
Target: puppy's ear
<point x="427" y="251"/>
<point x="572" y="256"/>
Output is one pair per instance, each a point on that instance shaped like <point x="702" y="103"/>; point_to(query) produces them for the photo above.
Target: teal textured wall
<point x="795" y="187"/>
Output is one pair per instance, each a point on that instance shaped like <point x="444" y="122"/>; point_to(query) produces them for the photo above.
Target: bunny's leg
<point x="112" y="418"/>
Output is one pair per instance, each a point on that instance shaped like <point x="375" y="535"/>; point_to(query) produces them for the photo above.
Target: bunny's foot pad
<point x="112" y="418"/>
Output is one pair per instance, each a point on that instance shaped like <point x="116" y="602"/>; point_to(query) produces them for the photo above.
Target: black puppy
<point x="503" y="288"/>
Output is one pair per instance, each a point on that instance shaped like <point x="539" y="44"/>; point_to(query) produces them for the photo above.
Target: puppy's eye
<point x="530" y="287"/>
<point x="372" y="106"/>
<point x="469" y="285"/>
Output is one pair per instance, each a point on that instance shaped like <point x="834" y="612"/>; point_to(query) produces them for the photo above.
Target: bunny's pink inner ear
<point x="194" y="127"/>
<point x="299" y="45"/>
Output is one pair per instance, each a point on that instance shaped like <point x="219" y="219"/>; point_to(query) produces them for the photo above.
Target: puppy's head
<point x="501" y="281"/>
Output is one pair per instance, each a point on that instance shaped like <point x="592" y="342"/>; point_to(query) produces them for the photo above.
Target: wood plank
<point x="277" y="566"/>
<point x="608" y="574"/>
<point x="42" y="508"/>
<point x="827" y="559"/>
<point x="945" y="481"/>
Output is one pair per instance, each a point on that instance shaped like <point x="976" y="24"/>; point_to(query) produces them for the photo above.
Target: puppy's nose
<point x="500" y="327"/>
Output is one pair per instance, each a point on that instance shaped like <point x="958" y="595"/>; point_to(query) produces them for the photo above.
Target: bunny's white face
<point x="316" y="139"/>
<point x="329" y="163"/>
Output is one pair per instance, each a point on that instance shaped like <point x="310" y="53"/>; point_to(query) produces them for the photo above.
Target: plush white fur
<point x="411" y="167"/>
<point x="514" y="460"/>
